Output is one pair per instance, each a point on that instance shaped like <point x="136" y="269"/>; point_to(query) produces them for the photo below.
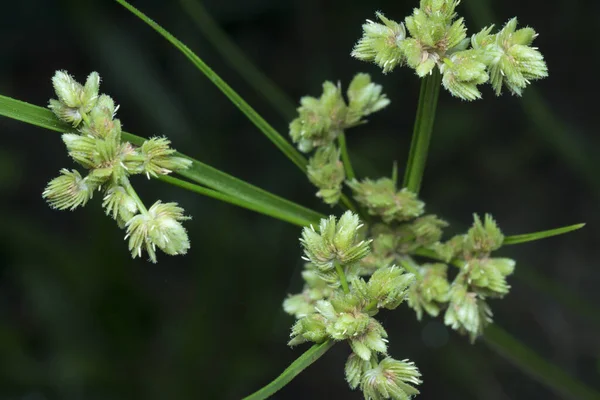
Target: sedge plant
<point x="379" y="248"/>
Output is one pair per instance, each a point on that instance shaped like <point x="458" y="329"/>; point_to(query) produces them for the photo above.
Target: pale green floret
<point x="436" y="39"/>
<point x="364" y="98"/>
<point x="69" y="190"/>
<point x="326" y="171"/>
<point x="389" y="286"/>
<point x="158" y="227"/>
<point x="467" y="312"/>
<point x="74" y="100"/>
<point x="391" y="379"/>
<point x="462" y="72"/>
<point x="483" y="237"/>
<point x="119" y="205"/>
<point x="514" y="63"/>
<point x="488" y="276"/>
<point x="320" y="120"/>
<point x="431" y="292"/>
<point x="159" y="158"/>
<point x="381" y="198"/>
<point x="381" y="43"/>
<point x="336" y="242"/>
<point x="82" y="149"/>
<point x="354" y="369"/>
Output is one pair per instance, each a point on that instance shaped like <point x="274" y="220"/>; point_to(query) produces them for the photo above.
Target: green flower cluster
<point x="322" y="120"/>
<point x="330" y="309"/>
<point x="96" y="145"/>
<point x="479" y="277"/>
<point x="438" y="39"/>
<point x="381" y="198"/>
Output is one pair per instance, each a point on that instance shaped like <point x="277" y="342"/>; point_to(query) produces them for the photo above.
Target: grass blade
<point x="238" y="192"/>
<point x="282" y="144"/>
<point x="530" y="237"/>
<point x="237" y="60"/>
<point x="300" y="364"/>
<point x="550" y="375"/>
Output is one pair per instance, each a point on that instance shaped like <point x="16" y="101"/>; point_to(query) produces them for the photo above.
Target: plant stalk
<point x="423" y="128"/>
<point x="345" y="157"/>
<point x="340" y="271"/>
<point x="300" y="364"/>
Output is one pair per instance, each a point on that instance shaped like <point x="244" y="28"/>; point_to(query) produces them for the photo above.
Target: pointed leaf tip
<point x="530" y="237"/>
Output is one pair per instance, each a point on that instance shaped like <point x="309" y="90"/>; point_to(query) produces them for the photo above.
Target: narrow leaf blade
<point x="277" y="139"/>
<point x="530" y="237"/>
<point x="238" y="192"/>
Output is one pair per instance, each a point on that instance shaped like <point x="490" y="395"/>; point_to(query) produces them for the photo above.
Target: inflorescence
<point x="96" y="145"/>
<point x="353" y="269"/>
<point x="434" y="38"/>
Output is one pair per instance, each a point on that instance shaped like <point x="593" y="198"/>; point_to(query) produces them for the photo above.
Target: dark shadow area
<point x="79" y="319"/>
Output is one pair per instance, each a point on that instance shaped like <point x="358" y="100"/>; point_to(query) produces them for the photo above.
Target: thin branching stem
<point x="346" y="157"/>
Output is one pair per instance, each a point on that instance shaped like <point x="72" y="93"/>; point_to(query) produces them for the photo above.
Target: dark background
<point x="79" y="319"/>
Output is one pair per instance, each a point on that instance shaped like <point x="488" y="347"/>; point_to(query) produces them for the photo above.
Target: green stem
<point x="345" y="157"/>
<point x="417" y="157"/>
<point x="409" y="266"/>
<point x="301" y="363"/>
<point x="131" y="191"/>
<point x="237" y="60"/>
<point x="340" y="271"/>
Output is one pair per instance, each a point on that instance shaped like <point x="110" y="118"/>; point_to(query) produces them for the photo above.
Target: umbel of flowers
<point x="434" y="38"/>
<point x="352" y="271"/>
<point x="96" y="144"/>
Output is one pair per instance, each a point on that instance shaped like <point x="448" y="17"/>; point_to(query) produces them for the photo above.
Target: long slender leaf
<point x="299" y="365"/>
<point x="530" y="237"/>
<point x="239" y="192"/>
<point x="550" y="375"/>
<point x="283" y="145"/>
<point x="237" y="60"/>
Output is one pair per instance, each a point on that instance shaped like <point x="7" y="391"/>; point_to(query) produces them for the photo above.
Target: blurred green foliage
<point x="80" y="320"/>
